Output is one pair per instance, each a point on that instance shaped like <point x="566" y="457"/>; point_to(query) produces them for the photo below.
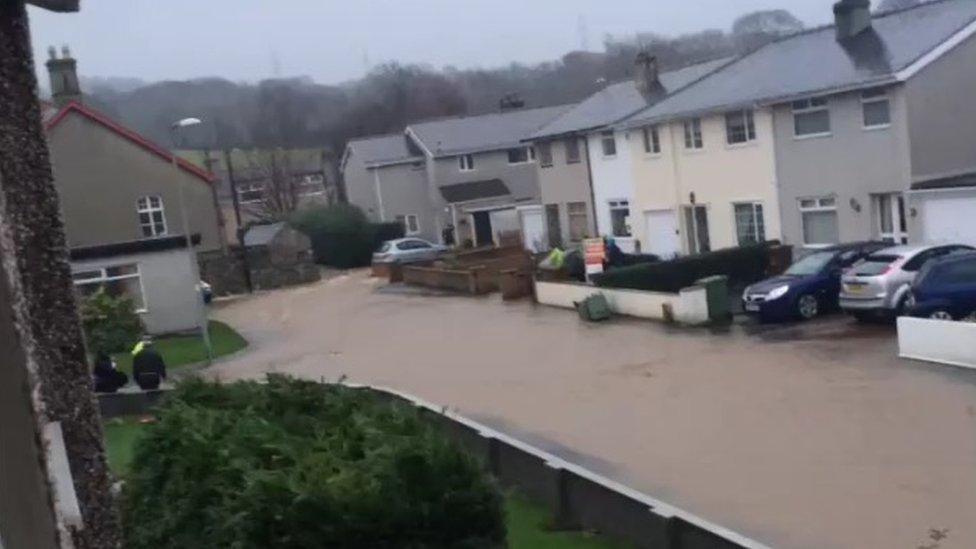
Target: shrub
<point x="110" y="323"/>
<point x="743" y="265"/>
<point x="341" y="234"/>
<point x="295" y="464"/>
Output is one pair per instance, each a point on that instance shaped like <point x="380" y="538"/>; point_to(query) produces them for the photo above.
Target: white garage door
<point x="662" y="234"/>
<point x="948" y="216"/>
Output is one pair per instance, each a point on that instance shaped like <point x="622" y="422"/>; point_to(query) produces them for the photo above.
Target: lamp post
<point x="197" y="297"/>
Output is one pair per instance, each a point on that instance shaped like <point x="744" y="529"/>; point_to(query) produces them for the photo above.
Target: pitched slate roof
<point x="617" y="101"/>
<point x="962" y="181"/>
<point x="384" y="149"/>
<point x="474" y="190"/>
<point x="488" y="132"/>
<point x="814" y="62"/>
<point x="52" y="122"/>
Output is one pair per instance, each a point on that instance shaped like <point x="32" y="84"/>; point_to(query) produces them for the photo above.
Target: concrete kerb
<point x="577" y="497"/>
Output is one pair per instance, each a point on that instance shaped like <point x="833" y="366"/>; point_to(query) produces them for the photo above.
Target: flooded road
<point x="802" y="437"/>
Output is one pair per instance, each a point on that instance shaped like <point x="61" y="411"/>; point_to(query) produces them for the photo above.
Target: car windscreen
<point x="811" y="264"/>
<point x="874" y="265"/>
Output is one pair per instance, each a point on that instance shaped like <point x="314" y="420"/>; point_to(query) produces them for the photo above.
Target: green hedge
<point x="743" y="265"/>
<point x="111" y="323"/>
<point x="341" y="234"/>
<point x="295" y="464"/>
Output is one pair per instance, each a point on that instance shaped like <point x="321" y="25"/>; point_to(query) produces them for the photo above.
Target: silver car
<point x="880" y="284"/>
<point x="408" y="250"/>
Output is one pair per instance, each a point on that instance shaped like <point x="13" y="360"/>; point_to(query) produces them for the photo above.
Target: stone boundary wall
<point x="576" y="497"/>
<point x="690" y="306"/>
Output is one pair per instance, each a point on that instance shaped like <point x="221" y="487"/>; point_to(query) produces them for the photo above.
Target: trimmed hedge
<point x="297" y="464"/>
<point x="743" y="265"/>
<point x="341" y="234"/>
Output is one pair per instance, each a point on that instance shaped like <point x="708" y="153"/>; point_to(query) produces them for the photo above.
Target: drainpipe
<point x="589" y="180"/>
<point x="379" y="194"/>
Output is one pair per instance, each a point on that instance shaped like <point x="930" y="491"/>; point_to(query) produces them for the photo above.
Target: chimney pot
<point x="63" y="73"/>
<point x="852" y="17"/>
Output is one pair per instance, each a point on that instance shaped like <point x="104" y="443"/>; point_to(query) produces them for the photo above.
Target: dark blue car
<point x="945" y="289"/>
<point x="810" y="286"/>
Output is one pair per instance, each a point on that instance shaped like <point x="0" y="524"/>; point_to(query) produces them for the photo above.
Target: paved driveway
<point x="801" y="437"/>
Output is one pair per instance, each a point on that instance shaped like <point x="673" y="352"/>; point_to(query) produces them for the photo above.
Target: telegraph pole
<point x="245" y="265"/>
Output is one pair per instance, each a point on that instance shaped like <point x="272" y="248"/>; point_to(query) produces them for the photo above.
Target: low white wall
<point x="941" y="341"/>
<point x="689" y="307"/>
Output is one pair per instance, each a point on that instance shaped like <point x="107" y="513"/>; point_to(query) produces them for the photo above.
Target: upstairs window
<point x="466" y="163"/>
<point x="652" y="140"/>
<point x="608" y="142"/>
<point x="876" y="108"/>
<point x="740" y="127"/>
<point x="152" y="217"/>
<point x="572" y="151"/>
<point x="545" y="154"/>
<point x="693" y="134"/>
<point x="811" y="117"/>
<point x="521" y="155"/>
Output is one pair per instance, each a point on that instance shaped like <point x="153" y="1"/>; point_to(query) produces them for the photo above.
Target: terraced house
<point x="859" y="130"/>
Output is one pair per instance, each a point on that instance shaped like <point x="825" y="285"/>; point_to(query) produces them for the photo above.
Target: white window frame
<point x="605" y="137"/>
<point x="103" y="277"/>
<point x="870" y="97"/>
<point x="748" y="120"/>
<point x="896" y="205"/>
<point x="754" y="204"/>
<point x="651" y="136"/>
<point x="694" y="139"/>
<point x="151" y="209"/>
<point x="620" y="204"/>
<point x="406" y="220"/>
<point x="812" y="105"/>
<point x="820" y="205"/>
<point x="466" y="163"/>
<point x="529" y="155"/>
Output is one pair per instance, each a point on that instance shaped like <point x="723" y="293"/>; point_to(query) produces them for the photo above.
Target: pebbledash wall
<point x="690" y="306"/>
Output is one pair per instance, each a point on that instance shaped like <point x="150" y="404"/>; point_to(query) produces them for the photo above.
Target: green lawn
<point x="527" y="523"/>
<point x="183" y="350"/>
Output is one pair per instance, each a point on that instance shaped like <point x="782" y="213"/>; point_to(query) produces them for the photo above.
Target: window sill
<point x="571" y="162"/>
<point x="693" y="151"/>
<point x="812" y="136"/>
<point x="876" y="128"/>
<point x="609" y="157"/>
<point x="743" y="145"/>
<point x="653" y="156"/>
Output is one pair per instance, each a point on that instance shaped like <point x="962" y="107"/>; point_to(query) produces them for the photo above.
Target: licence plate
<point x="752" y="307"/>
<point x="853" y="289"/>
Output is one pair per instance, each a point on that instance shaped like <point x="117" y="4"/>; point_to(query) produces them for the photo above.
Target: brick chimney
<point x="63" y="72"/>
<point x="852" y="17"/>
<point x="646" y="72"/>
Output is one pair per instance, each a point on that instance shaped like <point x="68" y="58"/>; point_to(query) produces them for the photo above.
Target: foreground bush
<point x="110" y="323"/>
<point x="295" y="464"/>
<point x="743" y="265"/>
<point x="341" y="234"/>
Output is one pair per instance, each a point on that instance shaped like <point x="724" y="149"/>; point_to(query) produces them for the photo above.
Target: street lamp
<point x="197" y="297"/>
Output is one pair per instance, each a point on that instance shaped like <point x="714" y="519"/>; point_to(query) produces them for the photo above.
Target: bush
<point x="743" y="265"/>
<point x="341" y="234"/>
<point x="110" y="323"/>
<point x="295" y="464"/>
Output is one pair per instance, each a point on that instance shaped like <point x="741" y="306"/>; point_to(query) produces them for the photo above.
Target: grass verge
<point x="183" y="350"/>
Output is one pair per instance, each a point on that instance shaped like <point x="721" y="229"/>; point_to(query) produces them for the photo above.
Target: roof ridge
<point x="485" y="115"/>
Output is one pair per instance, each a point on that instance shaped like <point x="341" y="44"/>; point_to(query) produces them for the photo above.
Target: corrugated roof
<point x="383" y="149"/>
<point x="261" y="235"/>
<point x="620" y="100"/>
<point x="470" y="134"/>
<point x="474" y="190"/>
<point x="815" y="62"/>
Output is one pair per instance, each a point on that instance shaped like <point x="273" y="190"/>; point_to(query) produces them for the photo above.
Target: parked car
<point x="879" y="286"/>
<point x="408" y="250"/>
<point x="945" y="289"/>
<point x="809" y="287"/>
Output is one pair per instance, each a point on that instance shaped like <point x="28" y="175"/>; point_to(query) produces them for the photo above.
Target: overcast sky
<point x="334" y="41"/>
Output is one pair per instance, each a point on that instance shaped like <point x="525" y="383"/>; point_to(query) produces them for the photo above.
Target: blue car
<point x="945" y="289"/>
<point x="810" y="286"/>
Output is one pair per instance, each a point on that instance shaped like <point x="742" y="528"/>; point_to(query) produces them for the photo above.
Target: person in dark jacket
<point x="107" y="378"/>
<point x="148" y="367"/>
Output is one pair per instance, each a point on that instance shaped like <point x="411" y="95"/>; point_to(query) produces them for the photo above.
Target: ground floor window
<point x="117" y="280"/>
<point x="553" y="227"/>
<point x="620" y="217"/>
<point x="819" y="219"/>
<point x="410" y="223"/>
<point x="750" y="226"/>
<point x="696" y="229"/>
<point x="578" y="221"/>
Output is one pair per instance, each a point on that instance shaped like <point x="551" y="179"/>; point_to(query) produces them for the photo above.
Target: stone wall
<point x="225" y="271"/>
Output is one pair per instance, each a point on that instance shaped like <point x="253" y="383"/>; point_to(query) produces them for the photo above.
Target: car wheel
<point x="907" y="304"/>
<point x="807" y="306"/>
<point x="941" y="315"/>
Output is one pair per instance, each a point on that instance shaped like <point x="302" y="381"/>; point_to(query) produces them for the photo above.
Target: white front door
<point x="662" y="234"/>
<point x="533" y="229"/>
<point x="892" y="223"/>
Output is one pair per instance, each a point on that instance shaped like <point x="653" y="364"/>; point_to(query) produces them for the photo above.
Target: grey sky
<point x="331" y="41"/>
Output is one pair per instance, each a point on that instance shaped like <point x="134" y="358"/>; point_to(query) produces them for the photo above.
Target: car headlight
<point x="777" y="293"/>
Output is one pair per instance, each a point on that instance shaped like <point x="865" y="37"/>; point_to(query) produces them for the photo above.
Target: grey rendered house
<point x="872" y="129"/>
<point x="577" y="165"/>
<point x="122" y="202"/>
<point x="464" y="181"/>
